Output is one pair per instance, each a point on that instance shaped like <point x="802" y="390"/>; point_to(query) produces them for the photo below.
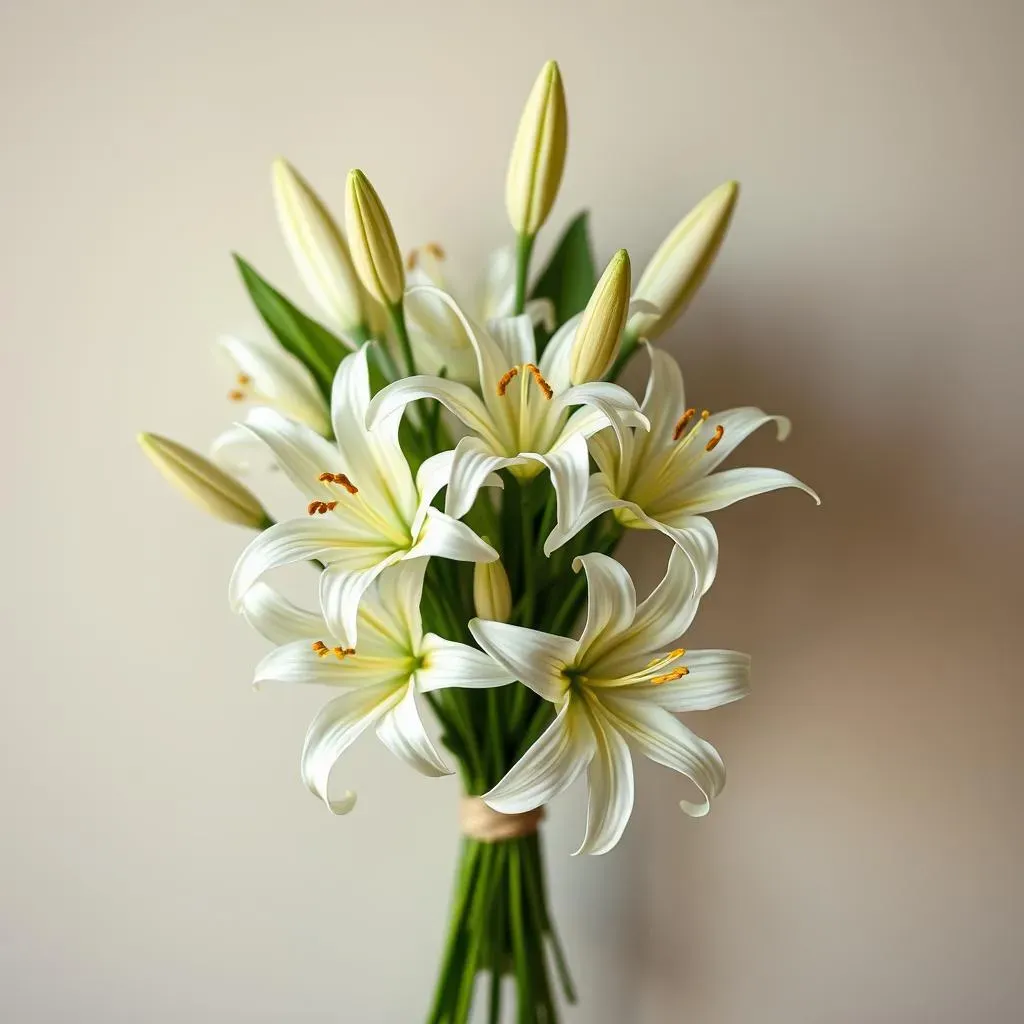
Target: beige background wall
<point x="160" y="860"/>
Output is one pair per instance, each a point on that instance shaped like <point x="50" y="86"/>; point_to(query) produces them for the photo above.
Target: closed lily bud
<point x="374" y="249"/>
<point x="492" y="595"/>
<point x="317" y="248"/>
<point x="682" y="262"/>
<point x="600" y="330"/>
<point x="538" y="154"/>
<point x="203" y="483"/>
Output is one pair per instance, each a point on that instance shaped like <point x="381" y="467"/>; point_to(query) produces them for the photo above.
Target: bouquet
<point x="466" y="469"/>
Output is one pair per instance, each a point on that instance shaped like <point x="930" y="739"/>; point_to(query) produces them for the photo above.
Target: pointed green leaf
<point x="319" y="349"/>
<point x="570" y="275"/>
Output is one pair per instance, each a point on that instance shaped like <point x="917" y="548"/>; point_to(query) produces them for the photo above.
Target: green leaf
<point x="310" y="342"/>
<point x="570" y="275"/>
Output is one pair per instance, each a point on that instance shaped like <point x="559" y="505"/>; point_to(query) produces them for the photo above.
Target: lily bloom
<point x="378" y="682"/>
<point x="663" y="479"/>
<point x="615" y="688"/>
<point x="365" y="511"/>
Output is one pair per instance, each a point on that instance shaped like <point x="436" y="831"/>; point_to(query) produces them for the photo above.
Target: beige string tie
<point x="487" y="825"/>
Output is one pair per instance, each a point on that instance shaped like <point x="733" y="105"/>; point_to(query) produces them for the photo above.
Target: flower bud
<point x="682" y="262"/>
<point x="492" y="596"/>
<point x="374" y="249"/>
<point x="538" y="154"/>
<point x="600" y="330"/>
<point x="203" y="483"/>
<point x="317" y="248"/>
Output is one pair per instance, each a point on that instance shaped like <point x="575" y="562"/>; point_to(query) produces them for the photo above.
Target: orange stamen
<point x="244" y="379"/>
<point x="338" y="478"/>
<point x="236" y="395"/>
<point x="435" y="250"/>
<point x="315" y="508"/>
<point x="412" y="259"/>
<point x="719" y="433"/>
<point x="506" y="380"/>
<point x="669" y="676"/>
<point x="342" y="652"/>
<point x="682" y="422"/>
<point x="544" y="386"/>
<point x="321" y="648"/>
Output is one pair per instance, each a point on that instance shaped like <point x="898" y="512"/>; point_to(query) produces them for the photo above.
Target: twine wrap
<point x="486" y="825"/>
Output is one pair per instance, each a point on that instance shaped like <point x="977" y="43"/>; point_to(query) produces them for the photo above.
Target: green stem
<point x="629" y="344"/>
<point x="524" y="248"/>
<point x="397" y="314"/>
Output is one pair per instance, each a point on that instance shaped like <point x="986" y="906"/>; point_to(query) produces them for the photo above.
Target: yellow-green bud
<point x="203" y="483"/>
<point x="682" y="262"/>
<point x="492" y="596"/>
<point x="538" y="154"/>
<point x="372" y="239"/>
<point x="600" y="331"/>
<point x="317" y="248"/>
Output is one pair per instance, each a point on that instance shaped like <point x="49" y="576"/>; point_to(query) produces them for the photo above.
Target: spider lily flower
<point x="615" y="688"/>
<point x="365" y="511"/>
<point x="267" y="374"/>
<point x="521" y="417"/>
<point x="204" y="484"/>
<point x="318" y="249"/>
<point x="538" y="154"/>
<point x="438" y="338"/>
<point x="378" y="681"/>
<point x="682" y="261"/>
<point x="663" y="479"/>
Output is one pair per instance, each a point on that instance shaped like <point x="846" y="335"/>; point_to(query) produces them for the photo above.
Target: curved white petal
<point x="715" y="678"/>
<point x="554" y="363"/>
<point x="337" y="725"/>
<point x="436" y="333"/>
<point x="665" y="399"/>
<point x="534" y="658"/>
<point x="296" y="663"/>
<point x="541" y="313"/>
<point x="449" y="664"/>
<point x="401" y="730"/>
<point x="737" y="425"/>
<point x="473" y="466"/>
<point x="695" y="536"/>
<point x="549" y="767"/>
<point x="341" y="591"/>
<point x="731" y="485"/>
<point x="442" y="535"/>
<point x="665" y="740"/>
<point x="277" y="618"/>
<point x="294" y="540"/>
<point x="514" y="334"/>
<point x="658" y="623"/>
<point x="599" y="499"/>
<point x="236" y="450"/>
<point x="278" y="377"/>
<point x="496" y="292"/>
<point x="569" y="467"/>
<point x="458" y="399"/>
<point x="392" y="607"/>
<point x="611" y="604"/>
<point x="609" y="784"/>
<point x="615" y="406"/>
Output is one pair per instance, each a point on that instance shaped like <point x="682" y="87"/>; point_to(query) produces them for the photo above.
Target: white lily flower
<point x="267" y="374"/>
<point x="521" y="417"/>
<point x="614" y="688"/>
<point x="380" y="679"/>
<point x="365" y="510"/>
<point x="438" y="337"/>
<point x="663" y="479"/>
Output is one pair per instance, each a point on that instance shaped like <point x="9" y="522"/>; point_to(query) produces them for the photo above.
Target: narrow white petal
<point x="658" y="623"/>
<point x="731" y="485"/>
<point x="611" y="604"/>
<point x="450" y="664"/>
<point x="473" y="466"/>
<point x="237" y="450"/>
<point x="737" y="425"/>
<point x="554" y="363"/>
<point x="294" y="540"/>
<point x="615" y="407"/>
<point x="515" y="336"/>
<point x="458" y="399"/>
<point x="392" y="606"/>
<point x="569" y="466"/>
<point x="401" y="730"/>
<point x="599" y="499"/>
<point x="665" y="399"/>
<point x="715" y="678"/>
<point x="665" y="740"/>
<point x="297" y="664"/>
<point x="610" y="785"/>
<point x="277" y="618"/>
<point x="337" y="725"/>
<point x="447" y="537"/>
<point x="695" y="536"/>
<point x="534" y="658"/>
<point x="341" y="591"/>
<point x="541" y="312"/>
<point x="549" y="767"/>
<point x="496" y="292"/>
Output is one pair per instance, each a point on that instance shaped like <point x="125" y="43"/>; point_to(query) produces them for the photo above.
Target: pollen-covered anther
<point x="719" y="434"/>
<point x="682" y="423"/>
<point x="321" y="649"/>
<point x="412" y="259"/>
<point x="676" y="673"/>
<point x="244" y="379"/>
<point x="338" y="478"/>
<point x="236" y="395"/>
<point x="341" y="653"/>
<point x="544" y="386"/>
<point x="434" y="249"/>
<point x="506" y="380"/>
<point x="319" y="508"/>
<point x="664" y="659"/>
